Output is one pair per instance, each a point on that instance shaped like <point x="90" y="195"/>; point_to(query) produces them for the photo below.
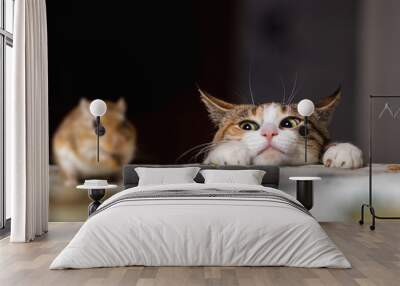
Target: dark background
<point x="315" y="41"/>
<point x="154" y="53"/>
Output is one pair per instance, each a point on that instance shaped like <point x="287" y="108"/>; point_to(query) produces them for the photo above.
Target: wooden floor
<point x="375" y="257"/>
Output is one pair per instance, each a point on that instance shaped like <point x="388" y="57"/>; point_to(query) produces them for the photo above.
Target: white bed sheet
<point x="200" y="231"/>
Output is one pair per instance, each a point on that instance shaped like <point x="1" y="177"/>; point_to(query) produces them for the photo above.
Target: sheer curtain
<point x="27" y="124"/>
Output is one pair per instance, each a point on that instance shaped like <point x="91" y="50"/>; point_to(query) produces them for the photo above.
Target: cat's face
<point x="272" y="132"/>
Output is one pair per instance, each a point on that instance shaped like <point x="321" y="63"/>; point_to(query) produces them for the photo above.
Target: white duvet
<point x="200" y="231"/>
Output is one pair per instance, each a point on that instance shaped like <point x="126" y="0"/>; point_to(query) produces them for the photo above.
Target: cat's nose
<point x="269" y="130"/>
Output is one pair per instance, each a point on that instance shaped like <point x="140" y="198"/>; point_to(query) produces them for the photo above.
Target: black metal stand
<point x="370" y="203"/>
<point x="100" y="131"/>
<point x="95" y="195"/>
<point x="305" y="137"/>
<point x="304" y="193"/>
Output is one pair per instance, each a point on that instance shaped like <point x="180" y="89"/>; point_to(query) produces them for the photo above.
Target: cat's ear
<point x="325" y="107"/>
<point x="216" y="107"/>
<point x="121" y="104"/>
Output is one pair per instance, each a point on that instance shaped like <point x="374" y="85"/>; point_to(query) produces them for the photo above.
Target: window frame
<point x="6" y="39"/>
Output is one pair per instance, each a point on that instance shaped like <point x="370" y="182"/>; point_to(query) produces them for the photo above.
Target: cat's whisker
<point x="292" y="94"/>
<point x="207" y="148"/>
<point x="201" y="152"/>
<point x="196" y="156"/>
<point x="297" y="90"/>
<point x="250" y="88"/>
<point x="284" y="90"/>
<point x="193" y="149"/>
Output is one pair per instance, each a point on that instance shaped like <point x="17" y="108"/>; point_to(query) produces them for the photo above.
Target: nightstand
<point x="304" y="190"/>
<point x="96" y="193"/>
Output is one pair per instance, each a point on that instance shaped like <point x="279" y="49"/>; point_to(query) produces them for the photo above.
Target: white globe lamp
<point x="98" y="107"/>
<point x="305" y="108"/>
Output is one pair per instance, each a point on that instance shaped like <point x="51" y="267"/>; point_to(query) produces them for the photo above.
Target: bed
<point x="199" y="224"/>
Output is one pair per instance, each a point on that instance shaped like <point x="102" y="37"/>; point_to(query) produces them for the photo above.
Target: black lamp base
<point x="100" y="131"/>
<point x="95" y="195"/>
<point x="304" y="193"/>
<point x="98" y="128"/>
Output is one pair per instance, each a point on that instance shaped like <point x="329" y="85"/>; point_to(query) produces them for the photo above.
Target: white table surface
<point x="86" y="187"/>
<point x="340" y="193"/>
<point x="305" y="178"/>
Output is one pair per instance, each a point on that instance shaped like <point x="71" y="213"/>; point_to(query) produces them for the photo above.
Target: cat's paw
<point x="231" y="153"/>
<point x="343" y="155"/>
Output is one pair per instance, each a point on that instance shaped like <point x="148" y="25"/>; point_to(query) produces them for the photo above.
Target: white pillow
<point x="163" y="176"/>
<point x="248" y="177"/>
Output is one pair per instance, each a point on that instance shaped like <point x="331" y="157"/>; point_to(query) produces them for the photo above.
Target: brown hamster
<point x="75" y="143"/>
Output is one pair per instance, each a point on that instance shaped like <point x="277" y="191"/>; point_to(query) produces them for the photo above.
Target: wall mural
<point x="150" y="72"/>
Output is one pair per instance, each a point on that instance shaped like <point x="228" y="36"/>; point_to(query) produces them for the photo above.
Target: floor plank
<point x="375" y="257"/>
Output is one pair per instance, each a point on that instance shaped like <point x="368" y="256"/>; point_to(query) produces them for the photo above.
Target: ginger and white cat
<point x="273" y="134"/>
<point x="75" y="143"/>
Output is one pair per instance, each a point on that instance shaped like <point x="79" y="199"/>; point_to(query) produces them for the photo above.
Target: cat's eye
<point x="249" y="125"/>
<point x="290" y="122"/>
